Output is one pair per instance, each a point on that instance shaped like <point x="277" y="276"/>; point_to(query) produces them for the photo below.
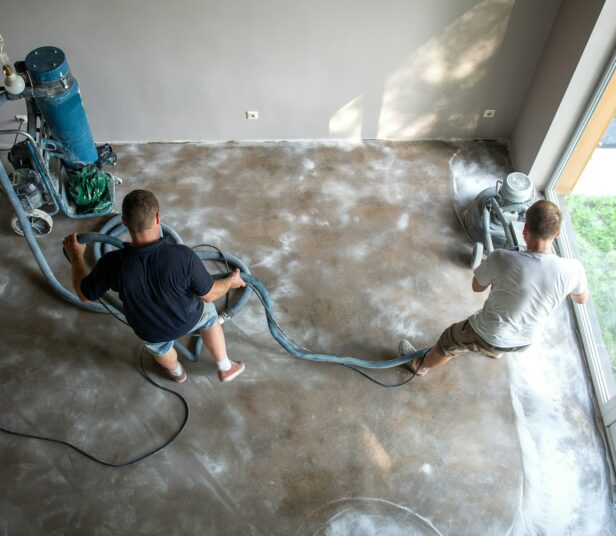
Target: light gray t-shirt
<point x="526" y="288"/>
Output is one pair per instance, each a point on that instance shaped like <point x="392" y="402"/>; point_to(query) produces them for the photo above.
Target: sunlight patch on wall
<point x="447" y="66"/>
<point x="347" y="121"/>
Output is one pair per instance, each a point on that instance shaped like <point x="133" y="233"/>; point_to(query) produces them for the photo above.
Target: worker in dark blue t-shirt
<point x="165" y="289"/>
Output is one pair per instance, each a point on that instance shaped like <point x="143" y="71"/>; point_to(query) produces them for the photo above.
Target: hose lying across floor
<point x="112" y="241"/>
<point x="108" y="239"/>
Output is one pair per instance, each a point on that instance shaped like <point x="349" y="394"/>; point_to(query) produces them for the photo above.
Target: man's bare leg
<point x="433" y="358"/>
<point x="170" y="363"/>
<point x="168" y="360"/>
<point x="214" y="340"/>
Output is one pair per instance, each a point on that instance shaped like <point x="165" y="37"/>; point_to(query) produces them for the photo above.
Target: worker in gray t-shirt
<point x="526" y="286"/>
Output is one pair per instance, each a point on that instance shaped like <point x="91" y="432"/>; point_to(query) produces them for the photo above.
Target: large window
<point x="584" y="185"/>
<point x="592" y="208"/>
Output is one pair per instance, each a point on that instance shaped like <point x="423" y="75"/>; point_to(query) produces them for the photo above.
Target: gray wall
<point x="161" y="70"/>
<point x="569" y="36"/>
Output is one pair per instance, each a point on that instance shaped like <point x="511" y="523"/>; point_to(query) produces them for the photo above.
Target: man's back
<point x="160" y="285"/>
<point x="526" y="287"/>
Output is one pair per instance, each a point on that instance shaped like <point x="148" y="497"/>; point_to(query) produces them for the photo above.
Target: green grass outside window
<point x="594" y="221"/>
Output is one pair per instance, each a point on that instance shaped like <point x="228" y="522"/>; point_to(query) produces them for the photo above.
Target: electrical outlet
<point x="252" y="115"/>
<point x="489" y="113"/>
<point x="21" y="118"/>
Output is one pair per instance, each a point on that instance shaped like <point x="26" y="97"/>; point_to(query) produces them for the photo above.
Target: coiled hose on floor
<point x="111" y="240"/>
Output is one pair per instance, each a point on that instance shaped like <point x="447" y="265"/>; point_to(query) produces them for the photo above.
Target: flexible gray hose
<point x="113" y="241"/>
<point x="36" y="250"/>
<point x="286" y="342"/>
<point x="504" y="223"/>
<point x="487" y="236"/>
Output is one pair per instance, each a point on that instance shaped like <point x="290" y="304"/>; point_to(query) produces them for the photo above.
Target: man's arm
<point x="75" y="252"/>
<point x="477" y="286"/>
<point x="582" y="283"/>
<point x="222" y="286"/>
<point x="580" y="298"/>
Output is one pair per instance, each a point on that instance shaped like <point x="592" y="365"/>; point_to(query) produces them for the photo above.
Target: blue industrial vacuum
<point x="55" y="164"/>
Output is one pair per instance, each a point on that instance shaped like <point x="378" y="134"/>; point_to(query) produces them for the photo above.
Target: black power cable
<point x="388" y="385"/>
<point x="140" y="458"/>
<point x="130" y="462"/>
<point x="178" y="395"/>
<point x="149" y="379"/>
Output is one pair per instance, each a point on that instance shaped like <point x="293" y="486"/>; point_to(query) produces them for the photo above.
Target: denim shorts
<point x="209" y="317"/>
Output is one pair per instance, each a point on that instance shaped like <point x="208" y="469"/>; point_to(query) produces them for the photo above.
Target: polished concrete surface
<point x="359" y="245"/>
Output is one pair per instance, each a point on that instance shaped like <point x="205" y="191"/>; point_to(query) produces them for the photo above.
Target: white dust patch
<point x="432" y="171"/>
<point x="201" y="184"/>
<point x="251" y="319"/>
<point x="204" y="220"/>
<point x="359" y="251"/>
<point x="308" y="164"/>
<point x="273" y="257"/>
<point x="299" y="146"/>
<point x="367" y="524"/>
<point x="426" y="469"/>
<point x="375" y="242"/>
<point x="129" y="149"/>
<point x="236" y="430"/>
<point x="365" y="516"/>
<point x="346" y="196"/>
<point x="566" y="490"/>
<point x="393" y="321"/>
<point x="4" y="281"/>
<point x="58" y="314"/>
<point x="314" y="339"/>
<point x="343" y="195"/>
<point x="217" y="467"/>
<point x="403" y="221"/>
<point x="471" y="175"/>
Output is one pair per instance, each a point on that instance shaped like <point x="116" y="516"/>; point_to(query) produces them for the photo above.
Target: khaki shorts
<point x="461" y="337"/>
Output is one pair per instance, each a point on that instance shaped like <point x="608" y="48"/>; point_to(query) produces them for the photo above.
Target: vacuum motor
<point x="26" y="181"/>
<point x="27" y="186"/>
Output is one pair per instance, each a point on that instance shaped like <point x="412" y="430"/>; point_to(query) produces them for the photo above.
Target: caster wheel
<point x="40" y="221"/>
<point x="477" y="255"/>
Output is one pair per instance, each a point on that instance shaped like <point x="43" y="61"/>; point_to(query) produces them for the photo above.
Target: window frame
<point x="603" y="382"/>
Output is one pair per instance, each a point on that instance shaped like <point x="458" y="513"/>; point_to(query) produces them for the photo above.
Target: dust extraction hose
<point x="112" y="241"/>
<point x="114" y="229"/>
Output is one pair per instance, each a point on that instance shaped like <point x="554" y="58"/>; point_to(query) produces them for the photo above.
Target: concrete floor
<point x="360" y="246"/>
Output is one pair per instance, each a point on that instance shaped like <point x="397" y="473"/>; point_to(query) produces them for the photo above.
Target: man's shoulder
<point x="565" y="264"/>
<point x="179" y="254"/>
<point x="171" y="248"/>
<point x="501" y="257"/>
<point x="111" y="258"/>
<point x="573" y="267"/>
<point x="501" y="253"/>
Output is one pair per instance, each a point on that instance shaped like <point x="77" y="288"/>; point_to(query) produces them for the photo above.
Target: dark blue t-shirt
<point x="159" y="285"/>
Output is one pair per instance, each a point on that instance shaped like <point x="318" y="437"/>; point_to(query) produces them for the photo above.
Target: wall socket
<point x="21" y="118"/>
<point x="489" y="113"/>
<point x="252" y="115"/>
